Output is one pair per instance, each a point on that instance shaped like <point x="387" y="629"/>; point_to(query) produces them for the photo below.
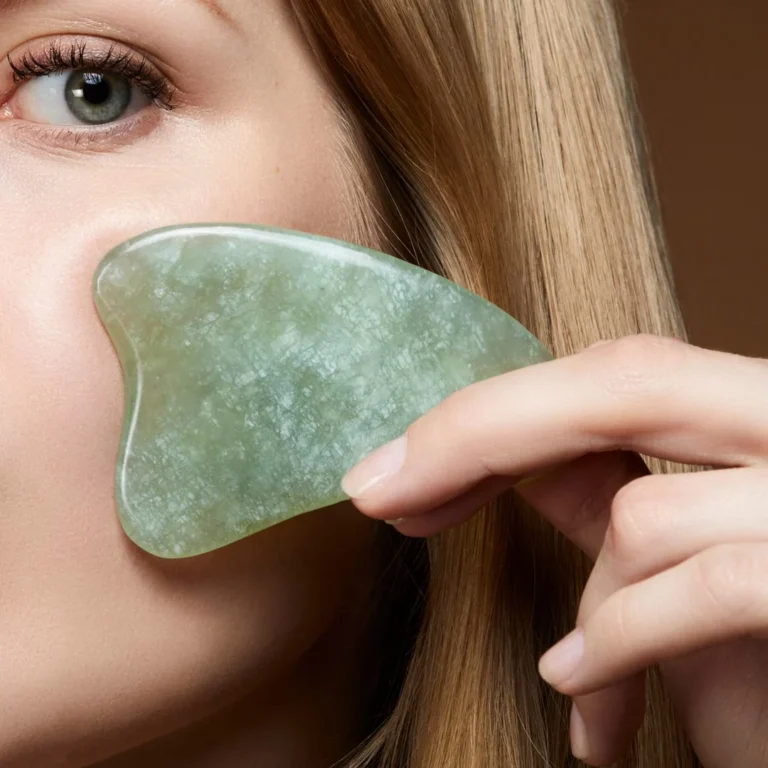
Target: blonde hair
<point x="496" y="142"/>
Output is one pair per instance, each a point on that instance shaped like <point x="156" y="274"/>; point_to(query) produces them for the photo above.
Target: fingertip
<point x="611" y="719"/>
<point x="370" y="476"/>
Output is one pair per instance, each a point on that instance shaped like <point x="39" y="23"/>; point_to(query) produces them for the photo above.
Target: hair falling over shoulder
<point x="497" y="143"/>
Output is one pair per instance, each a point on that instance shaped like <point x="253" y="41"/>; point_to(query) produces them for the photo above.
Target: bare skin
<point x="111" y="656"/>
<point x="107" y="652"/>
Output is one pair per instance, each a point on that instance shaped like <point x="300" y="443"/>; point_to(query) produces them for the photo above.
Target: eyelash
<point x="61" y="56"/>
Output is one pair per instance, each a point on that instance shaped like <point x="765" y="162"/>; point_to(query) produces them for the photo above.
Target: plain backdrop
<point x="701" y="70"/>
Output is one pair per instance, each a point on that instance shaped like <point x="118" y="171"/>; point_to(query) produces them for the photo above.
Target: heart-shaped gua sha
<point x="261" y="364"/>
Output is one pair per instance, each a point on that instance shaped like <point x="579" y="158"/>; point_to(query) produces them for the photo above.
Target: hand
<point x="681" y="560"/>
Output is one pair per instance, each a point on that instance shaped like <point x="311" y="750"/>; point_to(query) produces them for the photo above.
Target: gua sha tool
<point x="261" y="364"/>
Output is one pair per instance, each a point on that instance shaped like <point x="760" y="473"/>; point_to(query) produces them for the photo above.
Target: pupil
<point x="96" y="89"/>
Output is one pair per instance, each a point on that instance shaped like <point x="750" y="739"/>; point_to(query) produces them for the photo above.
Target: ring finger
<point x="658" y="522"/>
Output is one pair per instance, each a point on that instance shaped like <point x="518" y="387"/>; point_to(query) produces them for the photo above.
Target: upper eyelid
<point x="155" y="86"/>
<point x="98" y="139"/>
<point x="78" y="51"/>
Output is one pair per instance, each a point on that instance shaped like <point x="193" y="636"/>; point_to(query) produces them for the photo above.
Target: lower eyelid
<point x="78" y="139"/>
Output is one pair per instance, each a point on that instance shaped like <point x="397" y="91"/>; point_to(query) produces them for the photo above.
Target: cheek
<point x="90" y="623"/>
<point x="61" y="385"/>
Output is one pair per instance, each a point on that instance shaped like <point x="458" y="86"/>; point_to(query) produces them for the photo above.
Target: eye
<point x="77" y="83"/>
<point x="78" y="97"/>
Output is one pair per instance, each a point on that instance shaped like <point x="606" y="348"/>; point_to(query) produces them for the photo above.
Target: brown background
<point x="701" y="68"/>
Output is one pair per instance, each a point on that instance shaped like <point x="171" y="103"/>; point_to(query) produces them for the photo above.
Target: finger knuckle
<point x="459" y="409"/>
<point x="638" y="365"/>
<point x="639" y="517"/>
<point x="453" y="409"/>
<point x="456" y="420"/>
<point x="733" y="579"/>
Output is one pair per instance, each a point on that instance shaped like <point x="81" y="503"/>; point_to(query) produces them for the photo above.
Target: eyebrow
<point x="217" y="10"/>
<point x="214" y="6"/>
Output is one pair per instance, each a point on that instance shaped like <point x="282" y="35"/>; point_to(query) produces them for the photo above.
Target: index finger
<point x="646" y="394"/>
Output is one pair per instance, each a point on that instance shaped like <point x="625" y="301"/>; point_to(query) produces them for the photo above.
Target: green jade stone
<point x="261" y="364"/>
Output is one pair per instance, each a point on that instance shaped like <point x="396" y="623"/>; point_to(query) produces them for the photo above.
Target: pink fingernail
<point x="375" y="469"/>
<point x="562" y="660"/>
<point x="579" y="738"/>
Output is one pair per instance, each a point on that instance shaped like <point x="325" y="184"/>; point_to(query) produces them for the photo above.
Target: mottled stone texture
<point x="260" y="364"/>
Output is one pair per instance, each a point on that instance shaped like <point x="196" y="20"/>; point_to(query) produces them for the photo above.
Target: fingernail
<point x="579" y="740"/>
<point x="375" y="469"/>
<point x="560" y="661"/>
<point x="396" y="521"/>
<point x="599" y="343"/>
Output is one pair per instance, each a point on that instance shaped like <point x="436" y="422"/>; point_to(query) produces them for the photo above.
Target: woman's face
<point x="102" y="646"/>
